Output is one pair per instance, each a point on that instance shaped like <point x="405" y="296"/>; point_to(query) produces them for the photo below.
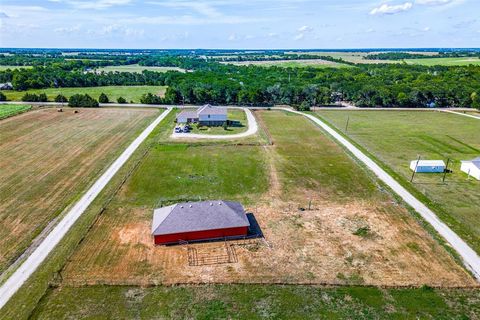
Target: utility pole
<point x="446" y="170"/>
<point x="415" y="170"/>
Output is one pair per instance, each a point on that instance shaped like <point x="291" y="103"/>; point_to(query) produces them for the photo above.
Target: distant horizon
<point x="256" y="49"/>
<point x="236" y="24"/>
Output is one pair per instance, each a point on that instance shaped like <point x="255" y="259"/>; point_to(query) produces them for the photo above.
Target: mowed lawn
<point x="136" y="68"/>
<point x="460" y="61"/>
<point x="130" y="93"/>
<point x="257" y="302"/>
<point x="47" y="159"/>
<point x="398" y="137"/>
<point x="9" y="110"/>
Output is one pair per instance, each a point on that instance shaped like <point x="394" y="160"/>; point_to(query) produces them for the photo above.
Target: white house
<point x="212" y="116"/>
<point x="206" y="115"/>
<point x="431" y="166"/>
<point x="472" y="168"/>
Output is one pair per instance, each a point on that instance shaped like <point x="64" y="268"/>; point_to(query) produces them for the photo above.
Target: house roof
<point x="198" y="216"/>
<point x="475" y="162"/>
<point x="208" y="109"/>
<point x="187" y="114"/>
<point x="429" y="163"/>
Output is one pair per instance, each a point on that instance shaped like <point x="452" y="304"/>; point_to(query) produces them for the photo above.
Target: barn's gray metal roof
<point x="197" y="216"/>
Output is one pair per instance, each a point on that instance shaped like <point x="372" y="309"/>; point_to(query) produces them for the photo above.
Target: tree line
<point x="392" y="85"/>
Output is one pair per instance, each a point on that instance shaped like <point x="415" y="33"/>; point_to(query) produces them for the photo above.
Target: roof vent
<point x="211" y="204"/>
<point x="181" y="206"/>
<point x="190" y="206"/>
<point x="220" y="203"/>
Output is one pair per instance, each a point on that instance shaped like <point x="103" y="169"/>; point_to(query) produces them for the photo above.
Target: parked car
<point x="178" y="130"/>
<point x="186" y="130"/>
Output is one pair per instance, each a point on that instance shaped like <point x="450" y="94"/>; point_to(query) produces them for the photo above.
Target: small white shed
<point x="431" y="166"/>
<point x="472" y="168"/>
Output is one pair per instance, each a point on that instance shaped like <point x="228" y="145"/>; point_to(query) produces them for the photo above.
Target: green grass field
<point x="315" y="63"/>
<point x="137" y="68"/>
<point x="358" y="57"/>
<point x="130" y="93"/>
<point x="3" y="68"/>
<point x="397" y="137"/>
<point x="257" y="302"/>
<point x="462" y="61"/>
<point x="8" y="110"/>
<point x="233" y="114"/>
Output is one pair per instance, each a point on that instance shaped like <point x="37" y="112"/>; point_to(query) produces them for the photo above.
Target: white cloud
<point x="299" y="36"/>
<point x="99" y="4"/>
<point x="433" y="2"/>
<point x="391" y="9"/>
<point x="202" y="8"/>
<point x="3" y="15"/>
<point x="426" y="29"/>
<point x="67" y="29"/>
<point x="305" y="29"/>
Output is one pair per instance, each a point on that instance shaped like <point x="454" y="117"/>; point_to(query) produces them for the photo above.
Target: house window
<point x="209" y="116"/>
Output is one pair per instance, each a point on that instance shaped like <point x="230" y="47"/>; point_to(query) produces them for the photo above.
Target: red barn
<point x="199" y="221"/>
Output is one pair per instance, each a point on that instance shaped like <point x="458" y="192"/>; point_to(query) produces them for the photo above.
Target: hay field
<point x="48" y="159"/>
<point x="325" y="219"/>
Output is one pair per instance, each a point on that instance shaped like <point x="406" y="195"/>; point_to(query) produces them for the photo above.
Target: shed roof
<point x="429" y="163"/>
<point x="198" y="216"/>
<point x="475" y="162"/>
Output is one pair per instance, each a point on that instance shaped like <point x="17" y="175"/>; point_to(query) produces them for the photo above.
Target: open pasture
<point x="47" y="158"/>
<point x="324" y="219"/>
<point x="397" y="137"/>
<point x="359" y="58"/>
<point x="316" y="63"/>
<point x="136" y="68"/>
<point x="8" y="110"/>
<point x="130" y="93"/>
<point x="3" y="68"/>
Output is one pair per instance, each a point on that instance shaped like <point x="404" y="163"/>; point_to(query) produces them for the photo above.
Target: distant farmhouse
<point x="430" y="166"/>
<point x="204" y="220"/>
<point x="6" y="86"/>
<point x="206" y="116"/>
<point x="472" y="168"/>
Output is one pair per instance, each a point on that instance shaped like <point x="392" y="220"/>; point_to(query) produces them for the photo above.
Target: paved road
<point x="252" y="129"/>
<point x="16" y="280"/>
<point x="163" y="106"/>
<point x="463" y="114"/>
<point x="469" y="256"/>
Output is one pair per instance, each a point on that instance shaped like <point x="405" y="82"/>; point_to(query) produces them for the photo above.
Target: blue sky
<point x="239" y="23"/>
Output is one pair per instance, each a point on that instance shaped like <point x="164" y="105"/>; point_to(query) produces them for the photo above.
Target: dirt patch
<point x="319" y="246"/>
